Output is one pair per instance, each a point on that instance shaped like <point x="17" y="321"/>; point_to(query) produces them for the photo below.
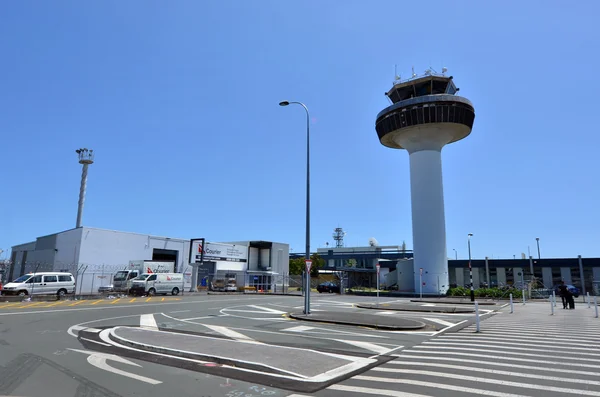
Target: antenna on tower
<point x="338" y="236"/>
<point x="396" y="76"/>
<point x="413" y="72"/>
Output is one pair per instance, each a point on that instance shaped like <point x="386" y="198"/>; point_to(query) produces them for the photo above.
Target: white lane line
<point x="541" y="329"/>
<point x="267" y="309"/>
<point x="569" y="391"/>
<point x="504" y="348"/>
<point x="180" y="311"/>
<point x="157" y="303"/>
<point x="492" y="371"/>
<point x="423" y="384"/>
<point x="247" y="311"/>
<point x="404" y="356"/>
<point x="437" y="320"/>
<point x="94" y="330"/>
<point x="496" y="350"/>
<point x="487" y="356"/>
<point x="378" y="392"/>
<point x="503" y="342"/>
<point x="148" y="321"/>
<point x="231" y="333"/>
<point x="368" y="346"/>
<point x="95" y="341"/>
<point x="195" y="318"/>
<point x="523" y="339"/>
<point x="387" y="312"/>
<point x="298" y="395"/>
<point x="300" y="328"/>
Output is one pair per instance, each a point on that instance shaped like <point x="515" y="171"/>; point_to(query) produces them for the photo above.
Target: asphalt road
<point x="41" y="355"/>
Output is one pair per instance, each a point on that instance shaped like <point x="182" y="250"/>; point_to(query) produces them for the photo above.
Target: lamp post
<point x="307" y="251"/>
<point x="537" y="239"/>
<point x="471" y="269"/>
<point x="455" y="253"/>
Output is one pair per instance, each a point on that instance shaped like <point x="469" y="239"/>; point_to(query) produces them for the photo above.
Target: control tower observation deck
<point x="426" y="115"/>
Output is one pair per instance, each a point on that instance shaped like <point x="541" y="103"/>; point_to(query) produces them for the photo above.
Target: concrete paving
<point x="411" y="307"/>
<point x="356" y="318"/>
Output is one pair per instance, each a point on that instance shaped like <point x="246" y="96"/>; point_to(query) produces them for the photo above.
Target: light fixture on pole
<point x="455" y="253"/>
<point x="537" y="239"/>
<point x="86" y="157"/>
<point x="307" y="250"/>
<point x="471" y="269"/>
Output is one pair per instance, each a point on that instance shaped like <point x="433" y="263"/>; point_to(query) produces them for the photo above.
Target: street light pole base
<point x="472" y="296"/>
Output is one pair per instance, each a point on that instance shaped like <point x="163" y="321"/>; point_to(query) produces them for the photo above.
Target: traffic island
<point x="244" y="359"/>
<point x="456" y="301"/>
<point x="360" y="319"/>
<point x="424" y="308"/>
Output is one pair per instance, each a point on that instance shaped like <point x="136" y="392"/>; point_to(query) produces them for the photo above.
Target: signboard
<point x="218" y="252"/>
<point x="377" y="266"/>
<point x="308" y="265"/>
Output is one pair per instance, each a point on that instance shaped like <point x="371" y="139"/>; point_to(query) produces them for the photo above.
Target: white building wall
<point x="107" y="247"/>
<point x="67" y="250"/>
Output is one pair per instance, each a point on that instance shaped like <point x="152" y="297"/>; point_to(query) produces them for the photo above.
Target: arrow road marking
<point x="98" y="360"/>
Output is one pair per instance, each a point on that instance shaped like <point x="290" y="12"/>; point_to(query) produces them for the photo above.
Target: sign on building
<point x="218" y="252"/>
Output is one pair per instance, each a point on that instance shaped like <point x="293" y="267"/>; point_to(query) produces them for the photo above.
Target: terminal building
<point x="397" y="272"/>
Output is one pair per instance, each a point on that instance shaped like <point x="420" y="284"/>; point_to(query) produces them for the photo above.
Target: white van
<point x="157" y="283"/>
<point x="41" y="284"/>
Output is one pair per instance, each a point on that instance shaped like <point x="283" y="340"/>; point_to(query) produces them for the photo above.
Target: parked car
<point x="572" y="289"/>
<point x="328" y="286"/>
<point x="47" y="283"/>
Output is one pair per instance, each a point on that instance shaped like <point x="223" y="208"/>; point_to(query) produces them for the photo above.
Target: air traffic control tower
<point x="426" y="115"/>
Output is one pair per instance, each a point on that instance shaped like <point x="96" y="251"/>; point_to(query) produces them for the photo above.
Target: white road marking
<point x="367" y="346"/>
<point x="157" y="303"/>
<point x="267" y="309"/>
<point x="180" y="311"/>
<point x="231" y="333"/>
<point x="299" y="328"/>
<point x="387" y="312"/>
<point x="491" y="371"/>
<point x="95" y="341"/>
<point x="437" y="320"/>
<point x="496" y="364"/>
<point x="447" y="345"/>
<point x="90" y="329"/>
<point x="148" y="321"/>
<point x="489" y="357"/>
<point x="423" y="384"/>
<point x="569" y="391"/>
<point x="98" y="360"/>
<point x="367" y="390"/>
<point x="504" y="342"/>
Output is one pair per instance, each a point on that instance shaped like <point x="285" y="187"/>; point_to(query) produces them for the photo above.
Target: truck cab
<point x="123" y="278"/>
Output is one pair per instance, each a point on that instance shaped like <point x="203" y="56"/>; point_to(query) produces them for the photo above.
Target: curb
<point x="417" y="310"/>
<point x="467" y="323"/>
<point x="375" y="326"/>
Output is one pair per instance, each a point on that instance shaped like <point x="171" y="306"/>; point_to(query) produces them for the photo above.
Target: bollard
<point x="523" y="295"/>
<point x="588" y="299"/>
<point x="512" y="306"/>
<point x="551" y="307"/>
<point x="554" y="297"/>
<point x="476" y="316"/>
<point x="596" y="305"/>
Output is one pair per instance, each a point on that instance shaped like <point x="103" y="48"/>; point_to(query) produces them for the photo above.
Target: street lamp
<point x="455" y="253"/>
<point x="471" y="269"/>
<point x="537" y="239"/>
<point x="307" y="251"/>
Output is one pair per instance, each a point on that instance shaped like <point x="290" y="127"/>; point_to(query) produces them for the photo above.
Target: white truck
<point x="122" y="279"/>
<point x="157" y="283"/>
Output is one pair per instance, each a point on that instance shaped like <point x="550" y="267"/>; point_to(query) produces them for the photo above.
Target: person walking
<point x="563" y="291"/>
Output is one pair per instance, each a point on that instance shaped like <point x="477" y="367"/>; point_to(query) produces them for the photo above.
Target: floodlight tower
<point x="86" y="157"/>
<point x="426" y="115"/>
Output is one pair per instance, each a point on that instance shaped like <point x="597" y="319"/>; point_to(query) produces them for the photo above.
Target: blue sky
<point x="179" y="101"/>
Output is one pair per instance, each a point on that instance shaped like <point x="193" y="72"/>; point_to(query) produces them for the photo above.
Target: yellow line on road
<point x="54" y="304"/>
<point x="95" y="303"/>
<point x="76" y="303"/>
<point x="133" y="300"/>
<point x="33" y="304"/>
<point x="148" y="300"/>
<point x="162" y="299"/>
<point x="116" y="301"/>
<point x="11" y="304"/>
